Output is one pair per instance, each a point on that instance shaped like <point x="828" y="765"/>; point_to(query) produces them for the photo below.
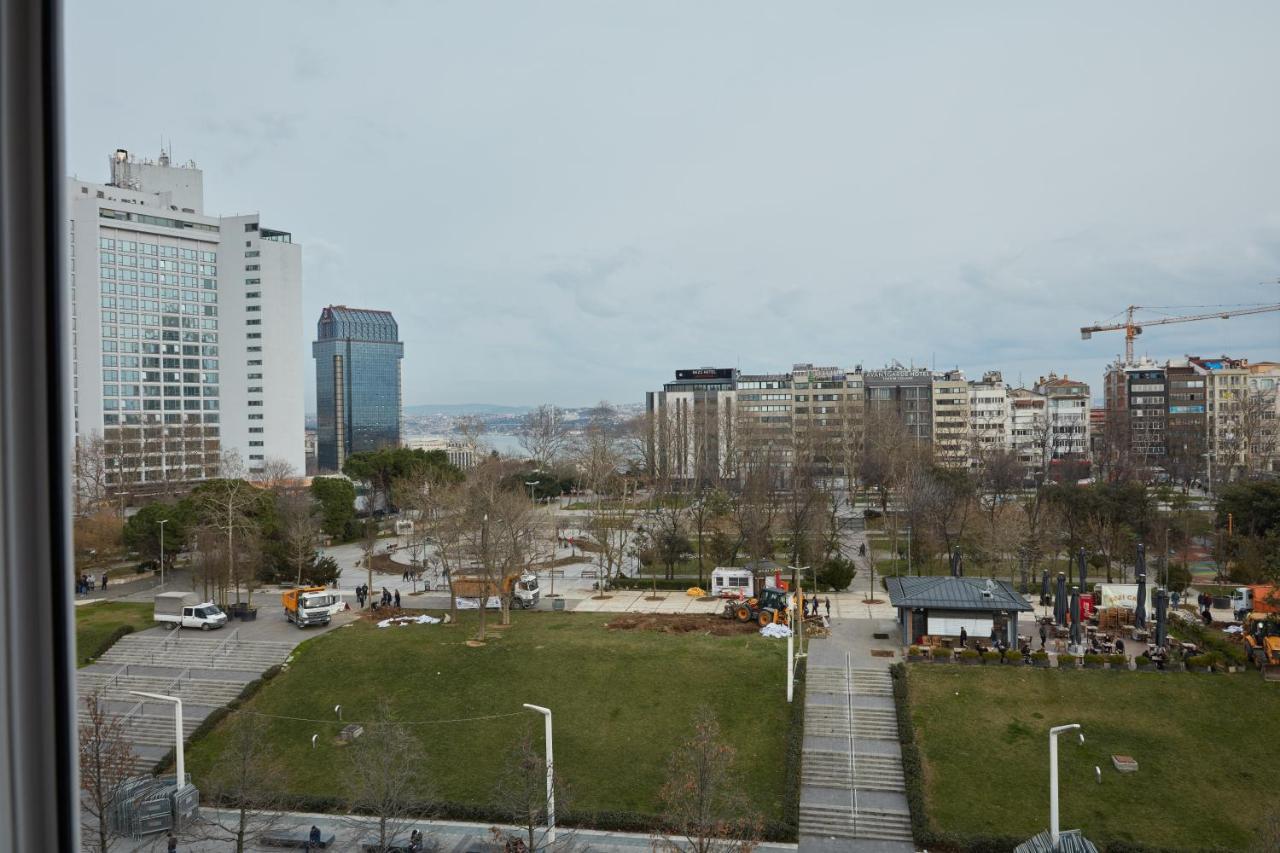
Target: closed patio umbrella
<point x="1044" y="586"/>
<point x="1162" y="614"/>
<point x="1140" y="612"/>
<point x="1082" y="567"/>
<point x="1140" y="561"/>
<point x="1075" y="615"/>
<point x="1060" y="601"/>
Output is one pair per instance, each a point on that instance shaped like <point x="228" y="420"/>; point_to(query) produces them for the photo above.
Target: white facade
<point x="989" y="414"/>
<point x="186" y="328"/>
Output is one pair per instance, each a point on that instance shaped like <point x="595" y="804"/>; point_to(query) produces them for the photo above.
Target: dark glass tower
<point x="358" y="355"/>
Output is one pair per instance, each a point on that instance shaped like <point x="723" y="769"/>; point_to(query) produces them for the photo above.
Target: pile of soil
<point x="682" y="623"/>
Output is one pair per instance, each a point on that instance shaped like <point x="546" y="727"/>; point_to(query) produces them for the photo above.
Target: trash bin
<point x="557" y="604"/>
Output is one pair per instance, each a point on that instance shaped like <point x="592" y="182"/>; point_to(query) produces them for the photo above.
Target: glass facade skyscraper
<point x="358" y="354"/>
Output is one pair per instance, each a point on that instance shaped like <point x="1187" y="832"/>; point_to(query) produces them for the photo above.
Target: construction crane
<point x="1132" y="328"/>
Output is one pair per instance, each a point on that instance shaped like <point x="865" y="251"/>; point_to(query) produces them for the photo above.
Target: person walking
<point x="1044" y="635"/>
<point x="172" y="846"/>
<point x="964" y="637"/>
<point x="104" y="580"/>
<point x="826" y="603"/>
<point x="397" y="599"/>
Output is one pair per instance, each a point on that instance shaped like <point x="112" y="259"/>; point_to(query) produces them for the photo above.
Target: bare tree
<point x="92" y="487"/>
<point x="385" y="776"/>
<point x="543" y="435"/>
<point x="98" y="536"/>
<point x="703" y="809"/>
<point x="522" y="794"/>
<point x="498" y="536"/>
<point x="245" y="779"/>
<point x="472" y="430"/>
<point x="369" y="548"/>
<point x="226" y="504"/>
<point x="106" y="760"/>
<point x="299" y="527"/>
<point x="275" y="473"/>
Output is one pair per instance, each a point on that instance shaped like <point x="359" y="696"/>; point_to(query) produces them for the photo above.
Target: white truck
<point x="186" y="610"/>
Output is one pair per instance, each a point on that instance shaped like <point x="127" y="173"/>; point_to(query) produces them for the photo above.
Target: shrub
<point x="968" y="654"/>
<point x="915" y="651"/>
<point x="991" y="656"/>
<point x="1093" y="660"/>
<point x="111" y="640"/>
<point x="1118" y="661"/>
<point x="1199" y="661"/>
<point x="836" y="575"/>
<point x="1040" y="656"/>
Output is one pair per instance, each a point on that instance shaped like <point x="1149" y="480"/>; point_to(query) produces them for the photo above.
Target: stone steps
<point x="196" y="653"/>
<point x="827" y="821"/>
<point x="828" y="769"/>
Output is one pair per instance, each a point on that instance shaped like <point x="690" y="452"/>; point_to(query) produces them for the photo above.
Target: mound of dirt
<point x="681" y="623"/>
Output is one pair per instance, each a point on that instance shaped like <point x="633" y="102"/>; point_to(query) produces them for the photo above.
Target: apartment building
<point x="1028" y="431"/>
<point x="185" y="328"/>
<point x="1067" y="413"/>
<point x="989" y="415"/>
<point x="1241" y="415"/>
<point x="952" y="438"/>
<point x="904" y="395"/>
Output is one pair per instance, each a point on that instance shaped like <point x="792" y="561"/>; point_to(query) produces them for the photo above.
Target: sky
<point x="567" y="201"/>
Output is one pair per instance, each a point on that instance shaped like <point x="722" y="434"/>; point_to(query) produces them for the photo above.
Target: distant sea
<point x="507" y="445"/>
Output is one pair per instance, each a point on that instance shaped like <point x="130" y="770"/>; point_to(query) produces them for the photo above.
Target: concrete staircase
<point x="852" y="783"/>
<point x="181" y="651"/>
<point x="205" y="672"/>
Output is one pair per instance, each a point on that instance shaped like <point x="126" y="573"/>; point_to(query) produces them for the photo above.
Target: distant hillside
<point x="458" y="409"/>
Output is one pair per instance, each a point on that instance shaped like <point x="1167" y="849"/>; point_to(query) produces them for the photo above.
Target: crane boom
<point x="1134" y="328"/>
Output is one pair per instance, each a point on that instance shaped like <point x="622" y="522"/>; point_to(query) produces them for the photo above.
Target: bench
<point x="298" y="839"/>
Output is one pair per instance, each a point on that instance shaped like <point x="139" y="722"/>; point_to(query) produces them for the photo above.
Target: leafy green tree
<point x="1254" y="508"/>
<point x="382" y="468"/>
<point x="836" y="574"/>
<point x="142" y="530"/>
<point x="337" y="499"/>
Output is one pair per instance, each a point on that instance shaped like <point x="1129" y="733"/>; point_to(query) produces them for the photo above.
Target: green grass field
<point x="621" y="700"/>
<point x="96" y="622"/>
<point x="1207" y="749"/>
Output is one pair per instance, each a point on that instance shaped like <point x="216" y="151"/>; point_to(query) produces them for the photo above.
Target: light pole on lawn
<point x="162" y="523"/>
<point x="1053" y="776"/>
<point x="799" y="630"/>
<point x="550" y="761"/>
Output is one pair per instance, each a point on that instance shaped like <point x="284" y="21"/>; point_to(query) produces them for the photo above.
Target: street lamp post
<point x="1053" y="776"/>
<point x="799" y="573"/>
<point x="178" y="754"/>
<point x="162" y="523"/>
<point x="551" y="788"/>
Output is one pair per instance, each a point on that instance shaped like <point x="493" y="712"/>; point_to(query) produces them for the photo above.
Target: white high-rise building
<point x="186" y="328"/>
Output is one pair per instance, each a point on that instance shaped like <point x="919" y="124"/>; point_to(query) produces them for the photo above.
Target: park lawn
<point x="96" y="622"/>
<point x="622" y="702"/>
<point x="1207" y="747"/>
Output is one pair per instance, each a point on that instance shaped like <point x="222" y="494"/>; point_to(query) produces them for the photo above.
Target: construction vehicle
<point x="771" y="606"/>
<point x="308" y="605"/>
<point x="1255" y="598"/>
<point x="522" y="587"/>
<point x="1132" y="328"/>
<point x="1262" y="642"/>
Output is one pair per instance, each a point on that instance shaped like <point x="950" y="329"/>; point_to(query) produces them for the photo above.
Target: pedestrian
<point x="862" y="549"/>
<point x="397" y="599"/>
<point x="104" y="580"/>
<point x="964" y="637"/>
<point x="172" y="846"/>
<point x="1044" y="635"/>
<point x="826" y="602"/>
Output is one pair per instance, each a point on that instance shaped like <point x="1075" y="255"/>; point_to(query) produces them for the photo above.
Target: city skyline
<point x="841" y="186"/>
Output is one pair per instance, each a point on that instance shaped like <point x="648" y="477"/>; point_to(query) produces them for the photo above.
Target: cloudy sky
<point x="566" y="201"/>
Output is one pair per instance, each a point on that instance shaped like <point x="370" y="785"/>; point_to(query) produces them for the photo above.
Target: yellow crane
<point x="1132" y="328"/>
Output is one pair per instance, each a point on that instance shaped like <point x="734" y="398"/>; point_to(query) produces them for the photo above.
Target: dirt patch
<point x="881" y="653"/>
<point x="682" y="623"/>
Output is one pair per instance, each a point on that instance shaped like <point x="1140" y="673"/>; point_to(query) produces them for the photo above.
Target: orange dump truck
<point x="308" y="605"/>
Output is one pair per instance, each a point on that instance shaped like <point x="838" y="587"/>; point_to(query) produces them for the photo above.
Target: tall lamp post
<point x="1053" y="776"/>
<point x="800" y="570"/>
<point x="551" y="788"/>
<point x="162" y="522"/>
<point x="178" y="754"/>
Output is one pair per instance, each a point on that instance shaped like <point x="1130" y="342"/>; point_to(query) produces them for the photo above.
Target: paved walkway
<point x="852" y="789"/>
